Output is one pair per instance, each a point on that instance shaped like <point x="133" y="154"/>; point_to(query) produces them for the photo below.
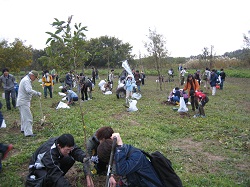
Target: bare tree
<point x="156" y="46"/>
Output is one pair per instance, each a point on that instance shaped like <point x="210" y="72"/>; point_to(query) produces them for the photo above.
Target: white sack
<point x="101" y="83"/>
<point x="183" y="107"/>
<point x="107" y="93"/>
<point x="120" y="85"/>
<point x="136" y="96"/>
<point x="3" y="125"/>
<point x="62" y="94"/>
<point x="60" y="87"/>
<point x="102" y="88"/>
<point x="132" y="106"/>
<point x="62" y="105"/>
<point x="64" y="99"/>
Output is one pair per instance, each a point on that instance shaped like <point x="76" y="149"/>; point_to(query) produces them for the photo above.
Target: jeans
<point x="50" y="91"/>
<point x="65" y="164"/>
<point x="13" y="97"/>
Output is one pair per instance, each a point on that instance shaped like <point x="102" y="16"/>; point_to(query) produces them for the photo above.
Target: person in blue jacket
<point x="131" y="164"/>
<point x="213" y="81"/>
<point x="71" y="96"/>
<point x="129" y="84"/>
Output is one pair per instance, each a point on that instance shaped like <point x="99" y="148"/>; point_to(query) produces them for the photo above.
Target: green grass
<point x="212" y="151"/>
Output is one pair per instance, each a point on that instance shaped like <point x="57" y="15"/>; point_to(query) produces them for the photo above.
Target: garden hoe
<point x="42" y="116"/>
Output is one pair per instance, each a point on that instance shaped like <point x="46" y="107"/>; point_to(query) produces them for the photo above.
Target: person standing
<point x="206" y="78"/>
<point x="96" y="73"/>
<point x="129" y="89"/>
<point x="8" y="81"/>
<point x="213" y="81"/>
<point x="93" y="75"/>
<point x="69" y="80"/>
<point x="137" y="77"/>
<point x="179" y="67"/>
<point x="222" y="77"/>
<point x="197" y="76"/>
<point x="192" y="86"/>
<point x="143" y="77"/>
<point x="25" y="94"/>
<point x="111" y="78"/>
<point x="47" y="82"/>
<point x="182" y="75"/>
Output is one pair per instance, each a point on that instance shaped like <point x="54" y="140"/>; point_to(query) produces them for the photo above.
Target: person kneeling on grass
<point x="71" y="96"/>
<point x="202" y="99"/>
<point x="130" y="163"/>
<point x="52" y="160"/>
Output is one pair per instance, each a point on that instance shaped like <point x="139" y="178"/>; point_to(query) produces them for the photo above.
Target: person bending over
<point x="130" y="163"/>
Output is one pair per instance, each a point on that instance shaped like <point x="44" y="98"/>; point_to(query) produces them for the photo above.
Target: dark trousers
<point x="201" y="106"/>
<point x="194" y="102"/>
<point x="182" y="80"/>
<point x="50" y="91"/>
<point x="84" y="93"/>
<point x="13" y="97"/>
<point x="65" y="164"/>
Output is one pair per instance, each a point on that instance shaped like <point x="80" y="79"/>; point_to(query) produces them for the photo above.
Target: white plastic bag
<point x="183" y="107"/>
<point x="101" y="83"/>
<point x="62" y="94"/>
<point x="62" y="105"/>
<point x="132" y="106"/>
<point x="107" y="93"/>
<point x="136" y="96"/>
<point x="3" y="125"/>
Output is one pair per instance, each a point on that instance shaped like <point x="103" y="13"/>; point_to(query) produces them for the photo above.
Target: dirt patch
<point x="120" y="116"/>
<point x="196" y="159"/>
<point x="134" y="123"/>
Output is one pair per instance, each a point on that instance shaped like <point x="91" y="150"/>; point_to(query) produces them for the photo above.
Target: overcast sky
<point x="187" y="25"/>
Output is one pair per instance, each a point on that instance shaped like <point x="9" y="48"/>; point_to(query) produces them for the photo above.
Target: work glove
<point x="94" y="159"/>
<point x="39" y="94"/>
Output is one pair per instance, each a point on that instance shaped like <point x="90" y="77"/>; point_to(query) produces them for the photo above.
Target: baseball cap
<point x="35" y="73"/>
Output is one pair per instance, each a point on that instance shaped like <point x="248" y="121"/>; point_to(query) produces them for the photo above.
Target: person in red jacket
<point x="202" y="99"/>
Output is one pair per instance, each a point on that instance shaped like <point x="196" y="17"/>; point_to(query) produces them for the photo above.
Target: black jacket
<point x="48" y="157"/>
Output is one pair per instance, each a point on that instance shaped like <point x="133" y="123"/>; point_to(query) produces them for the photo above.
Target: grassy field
<point x="212" y="151"/>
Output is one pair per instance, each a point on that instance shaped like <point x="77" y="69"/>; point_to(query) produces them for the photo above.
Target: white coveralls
<point x="25" y="93"/>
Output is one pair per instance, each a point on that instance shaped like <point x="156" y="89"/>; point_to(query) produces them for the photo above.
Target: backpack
<point x="164" y="169"/>
<point x="204" y="77"/>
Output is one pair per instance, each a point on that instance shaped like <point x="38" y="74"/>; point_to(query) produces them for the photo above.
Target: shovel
<point x="42" y="116"/>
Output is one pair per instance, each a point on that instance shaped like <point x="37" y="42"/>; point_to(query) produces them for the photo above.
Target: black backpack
<point x="164" y="169"/>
